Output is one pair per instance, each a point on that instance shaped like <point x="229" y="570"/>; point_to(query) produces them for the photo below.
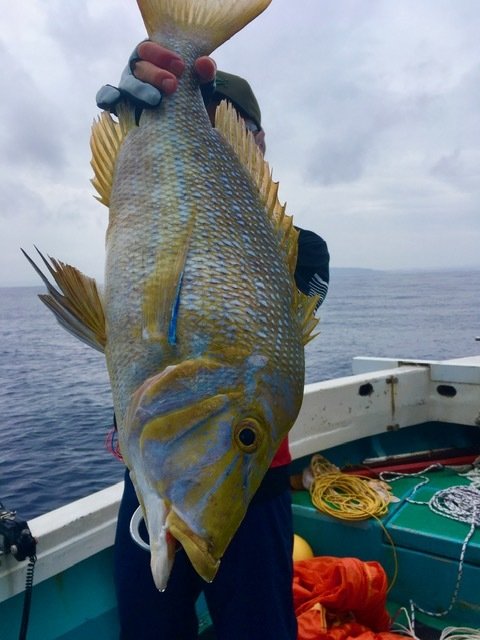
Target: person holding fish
<point x="208" y="301"/>
<point x="251" y="594"/>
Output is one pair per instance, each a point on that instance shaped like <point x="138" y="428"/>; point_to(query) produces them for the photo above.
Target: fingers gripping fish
<point x="205" y="356"/>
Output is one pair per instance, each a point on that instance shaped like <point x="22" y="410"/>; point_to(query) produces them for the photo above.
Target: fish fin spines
<point x="231" y="126"/>
<point x="76" y="303"/>
<point x="105" y="142"/>
<point x="305" y="309"/>
<point x="243" y="143"/>
<point x="210" y="23"/>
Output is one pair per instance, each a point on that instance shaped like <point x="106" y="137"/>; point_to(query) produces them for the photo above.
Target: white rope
<point x="449" y="633"/>
<point x="462" y="504"/>
<point x="405" y="630"/>
<point x="460" y="633"/>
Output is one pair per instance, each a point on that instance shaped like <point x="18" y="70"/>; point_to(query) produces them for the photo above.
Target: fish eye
<point x="246" y="435"/>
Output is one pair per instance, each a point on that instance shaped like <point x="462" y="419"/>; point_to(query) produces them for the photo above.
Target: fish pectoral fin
<point x="105" y="141"/>
<point x="77" y="306"/>
<point x="163" y="289"/>
<point x="196" y="548"/>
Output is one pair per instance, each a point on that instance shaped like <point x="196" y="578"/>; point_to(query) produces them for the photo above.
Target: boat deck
<point x="421" y="538"/>
<point x="387" y="408"/>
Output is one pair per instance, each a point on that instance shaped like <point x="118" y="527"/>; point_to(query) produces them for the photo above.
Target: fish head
<point x="200" y="437"/>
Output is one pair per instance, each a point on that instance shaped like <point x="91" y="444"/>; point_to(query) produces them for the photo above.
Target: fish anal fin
<point x="106" y="139"/>
<point x="76" y="303"/>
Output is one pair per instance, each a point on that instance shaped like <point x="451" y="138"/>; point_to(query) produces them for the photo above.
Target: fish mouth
<point x="162" y="548"/>
<point x="196" y="547"/>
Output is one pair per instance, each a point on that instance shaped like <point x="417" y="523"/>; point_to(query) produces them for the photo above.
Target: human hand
<point x="161" y="67"/>
<point x="152" y="71"/>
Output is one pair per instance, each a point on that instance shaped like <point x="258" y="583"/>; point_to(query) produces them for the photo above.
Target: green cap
<point x="239" y="92"/>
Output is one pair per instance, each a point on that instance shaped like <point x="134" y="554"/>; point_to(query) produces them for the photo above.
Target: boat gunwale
<point x="333" y="412"/>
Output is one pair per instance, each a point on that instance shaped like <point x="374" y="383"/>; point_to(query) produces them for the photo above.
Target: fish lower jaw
<point x="196" y="547"/>
<point x="162" y="556"/>
<point x="160" y="570"/>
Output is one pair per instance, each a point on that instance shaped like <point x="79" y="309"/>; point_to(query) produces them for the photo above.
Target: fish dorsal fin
<point x="105" y="142"/>
<point x="232" y="127"/>
<point x="77" y="306"/>
<point x="305" y="309"/>
<point x="209" y="23"/>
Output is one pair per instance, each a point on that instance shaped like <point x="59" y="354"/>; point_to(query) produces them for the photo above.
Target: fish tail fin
<point x="209" y="22"/>
<point x="77" y="306"/>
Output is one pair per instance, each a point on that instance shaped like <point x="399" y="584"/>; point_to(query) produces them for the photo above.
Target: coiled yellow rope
<point x="350" y="497"/>
<point x="344" y="496"/>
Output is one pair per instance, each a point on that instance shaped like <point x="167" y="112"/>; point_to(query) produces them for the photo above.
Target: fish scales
<point x="200" y="201"/>
<point x="231" y="248"/>
<point x="201" y="324"/>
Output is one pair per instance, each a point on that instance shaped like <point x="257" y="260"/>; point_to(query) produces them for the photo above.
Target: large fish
<point x="201" y="324"/>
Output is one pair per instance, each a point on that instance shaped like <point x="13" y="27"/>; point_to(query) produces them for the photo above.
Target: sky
<point x="371" y="110"/>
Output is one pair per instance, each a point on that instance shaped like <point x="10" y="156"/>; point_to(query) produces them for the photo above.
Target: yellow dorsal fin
<point x="77" y="306"/>
<point x="232" y="127"/>
<point x="208" y="23"/>
<point x="105" y="142"/>
<point x="305" y="308"/>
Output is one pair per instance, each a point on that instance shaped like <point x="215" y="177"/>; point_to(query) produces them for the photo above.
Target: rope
<point x="356" y="498"/>
<point x="408" y="629"/>
<point x="460" y="633"/>
<point x="112" y="445"/>
<point x="449" y="633"/>
<point x="460" y="503"/>
<point x="345" y="496"/>
<point x="350" y="497"/>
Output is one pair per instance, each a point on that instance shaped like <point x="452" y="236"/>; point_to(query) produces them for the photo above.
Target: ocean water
<point x="55" y="402"/>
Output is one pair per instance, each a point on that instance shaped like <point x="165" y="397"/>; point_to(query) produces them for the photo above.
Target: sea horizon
<point x="55" y="399"/>
<point x="333" y="269"/>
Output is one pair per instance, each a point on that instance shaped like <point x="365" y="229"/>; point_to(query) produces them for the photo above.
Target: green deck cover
<point x="427" y="547"/>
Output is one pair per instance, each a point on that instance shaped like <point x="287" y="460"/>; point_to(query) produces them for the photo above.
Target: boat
<point x="397" y="416"/>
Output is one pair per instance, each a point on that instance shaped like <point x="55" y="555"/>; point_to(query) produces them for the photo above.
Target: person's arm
<point x="152" y="71"/>
<point x="312" y="272"/>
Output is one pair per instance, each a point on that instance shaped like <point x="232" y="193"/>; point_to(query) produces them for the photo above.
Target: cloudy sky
<point x="371" y="107"/>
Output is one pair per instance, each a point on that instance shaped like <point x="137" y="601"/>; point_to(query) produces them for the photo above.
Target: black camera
<point x="15" y="535"/>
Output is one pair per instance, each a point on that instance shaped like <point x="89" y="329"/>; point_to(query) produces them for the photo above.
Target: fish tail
<point x="208" y="22"/>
